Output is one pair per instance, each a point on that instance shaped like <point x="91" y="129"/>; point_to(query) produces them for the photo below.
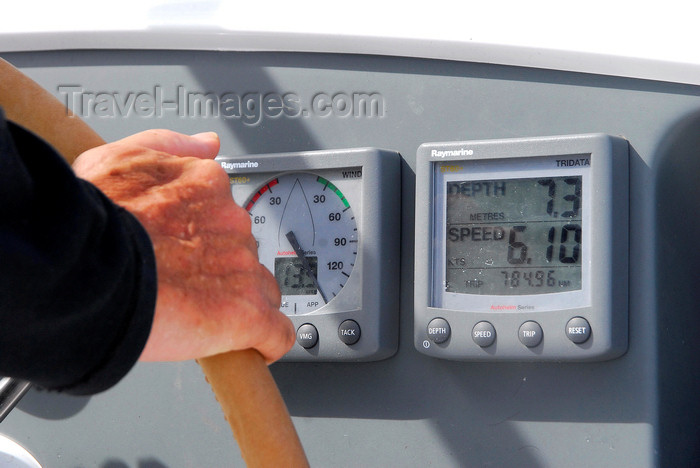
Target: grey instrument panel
<point x="640" y="409"/>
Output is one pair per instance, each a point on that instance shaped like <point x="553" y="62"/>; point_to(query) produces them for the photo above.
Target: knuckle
<point x="213" y="176"/>
<point x="211" y="165"/>
<point x="246" y="259"/>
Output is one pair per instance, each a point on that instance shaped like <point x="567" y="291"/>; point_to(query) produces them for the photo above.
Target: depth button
<point x="439" y="330"/>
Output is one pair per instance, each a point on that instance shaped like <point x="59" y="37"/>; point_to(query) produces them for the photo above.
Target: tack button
<point x="349" y="332"/>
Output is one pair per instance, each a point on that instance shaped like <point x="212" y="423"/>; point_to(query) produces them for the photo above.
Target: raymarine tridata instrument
<point x="521" y="249"/>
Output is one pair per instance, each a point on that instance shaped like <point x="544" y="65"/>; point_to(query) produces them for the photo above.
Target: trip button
<point x="307" y="336"/>
<point x="484" y="334"/>
<point x="578" y="330"/>
<point x="439" y="330"/>
<point x="530" y="334"/>
<point x="349" y="332"/>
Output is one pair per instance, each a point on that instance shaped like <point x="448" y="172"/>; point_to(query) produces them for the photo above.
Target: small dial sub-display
<point x="307" y="237"/>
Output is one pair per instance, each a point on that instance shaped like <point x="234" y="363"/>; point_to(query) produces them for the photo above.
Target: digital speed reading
<point x="513" y="236"/>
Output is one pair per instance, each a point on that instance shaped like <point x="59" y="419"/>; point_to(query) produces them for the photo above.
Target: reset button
<point x="578" y="330"/>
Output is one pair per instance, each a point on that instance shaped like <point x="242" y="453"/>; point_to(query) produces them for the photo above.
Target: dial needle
<point x="305" y="262"/>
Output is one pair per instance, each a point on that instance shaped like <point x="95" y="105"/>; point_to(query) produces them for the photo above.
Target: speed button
<point x="484" y="334"/>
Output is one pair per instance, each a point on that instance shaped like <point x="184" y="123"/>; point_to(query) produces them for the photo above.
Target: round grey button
<point x="578" y="330"/>
<point x="439" y="330"/>
<point x="484" y="334"/>
<point x="307" y="336"/>
<point x="349" y="332"/>
<point x="530" y="334"/>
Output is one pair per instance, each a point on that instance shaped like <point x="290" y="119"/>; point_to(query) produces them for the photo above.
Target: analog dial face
<point x="307" y="237"/>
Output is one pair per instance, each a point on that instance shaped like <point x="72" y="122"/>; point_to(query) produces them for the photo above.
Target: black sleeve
<point x="77" y="273"/>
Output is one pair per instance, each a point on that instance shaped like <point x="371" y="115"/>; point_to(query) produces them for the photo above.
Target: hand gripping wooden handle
<point x="241" y="380"/>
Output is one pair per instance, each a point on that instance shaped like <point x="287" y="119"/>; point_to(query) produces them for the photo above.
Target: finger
<point x="243" y="312"/>
<point x="202" y="145"/>
<point x="276" y="336"/>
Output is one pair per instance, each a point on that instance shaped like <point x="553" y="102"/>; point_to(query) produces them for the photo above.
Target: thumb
<point x="202" y="145"/>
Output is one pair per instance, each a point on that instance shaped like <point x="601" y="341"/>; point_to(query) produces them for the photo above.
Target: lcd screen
<point x="513" y="236"/>
<point x="293" y="278"/>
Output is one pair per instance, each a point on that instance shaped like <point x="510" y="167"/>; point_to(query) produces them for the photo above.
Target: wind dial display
<point x="307" y="237"/>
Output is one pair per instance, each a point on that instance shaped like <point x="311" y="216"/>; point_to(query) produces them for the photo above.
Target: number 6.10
<point x="517" y="250"/>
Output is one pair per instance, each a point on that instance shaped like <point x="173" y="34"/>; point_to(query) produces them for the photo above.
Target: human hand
<point x="213" y="294"/>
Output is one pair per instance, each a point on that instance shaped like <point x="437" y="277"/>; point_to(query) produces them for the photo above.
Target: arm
<point x="77" y="278"/>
